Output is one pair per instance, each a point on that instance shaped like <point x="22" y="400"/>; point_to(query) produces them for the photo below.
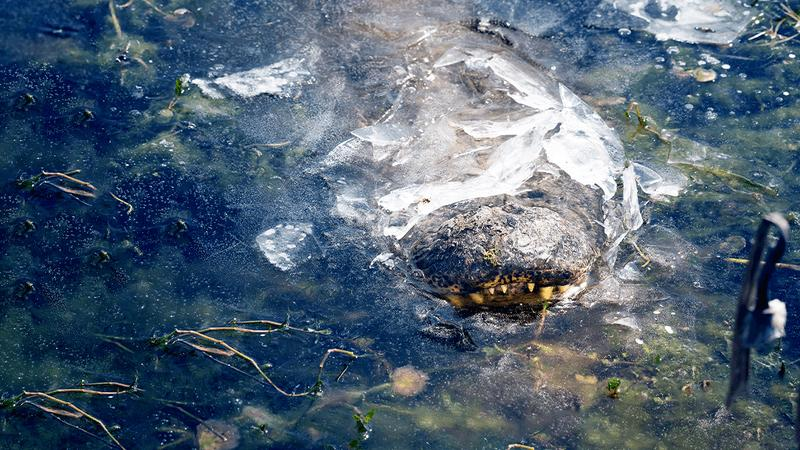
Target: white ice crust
<point x="280" y="79"/>
<point x="285" y="244"/>
<point x="692" y="21"/>
<point x="545" y="128"/>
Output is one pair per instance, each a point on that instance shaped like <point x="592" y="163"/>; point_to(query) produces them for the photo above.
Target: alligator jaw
<point x="507" y="250"/>
<point x="514" y="293"/>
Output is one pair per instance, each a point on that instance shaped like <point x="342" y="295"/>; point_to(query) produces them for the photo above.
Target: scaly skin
<point x="529" y="248"/>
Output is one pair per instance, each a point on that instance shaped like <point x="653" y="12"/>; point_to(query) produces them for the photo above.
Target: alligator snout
<point x="505" y="250"/>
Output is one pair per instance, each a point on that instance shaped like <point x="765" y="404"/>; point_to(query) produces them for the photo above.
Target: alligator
<point x="495" y="182"/>
<point x="534" y="247"/>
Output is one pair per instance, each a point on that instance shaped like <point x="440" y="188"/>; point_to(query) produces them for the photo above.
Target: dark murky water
<point x="88" y="281"/>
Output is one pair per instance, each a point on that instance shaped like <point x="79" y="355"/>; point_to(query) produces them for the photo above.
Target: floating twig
<point x="155" y="8"/>
<point x="68" y="409"/>
<point x="641" y="253"/>
<point x="223" y="363"/>
<point x="219" y="347"/>
<point x="283" y="325"/>
<point x="68" y="176"/>
<point x="122" y="388"/>
<point x="114" y="20"/>
<point x="70" y="191"/>
<point x="81" y="429"/>
<point x="794" y="267"/>
<point x="130" y="207"/>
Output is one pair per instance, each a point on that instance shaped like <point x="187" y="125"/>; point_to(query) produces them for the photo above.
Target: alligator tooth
<point x="531" y="286"/>
<point x="564" y="288"/>
<point x="504" y="288"/>
<point x="491" y="290"/>
<point x="476" y="297"/>
<point x="455" y="300"/>
<point x="546" y="292"/>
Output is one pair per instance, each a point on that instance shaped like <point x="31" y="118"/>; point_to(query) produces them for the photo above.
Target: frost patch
<point x="692" y="21"/>
<point x="281" y="79"/>
<point x="286" y="244"/>
<point x="660" y="182"/>
<point x="544" y="128"/>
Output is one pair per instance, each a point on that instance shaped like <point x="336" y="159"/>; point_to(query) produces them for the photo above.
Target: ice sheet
<point x="285" y="245"/>
<point x="660" y="181"/>
<point x="630" y="201"/>
<point x="692" y="21"/>
<point x="472" y="122"/>
<point x="281" y="79"/>
<point x="544" y="125"/>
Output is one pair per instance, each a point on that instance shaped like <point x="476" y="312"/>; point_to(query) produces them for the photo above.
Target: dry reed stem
<point x="155" y="8"/>
<point x="241" y="355"/>
<point x="80" y="412"/>
<point x="130" y="207"/>
<point x="794" y="267"/>
<point x="231" y="351"/>
<point x="69" y="178"/>
<point x="78" y="192"/>
<point x="114" y="19"/>
<point x="284" y="326"/>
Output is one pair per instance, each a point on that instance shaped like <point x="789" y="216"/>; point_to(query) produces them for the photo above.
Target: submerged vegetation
<point x="131" y="201"/>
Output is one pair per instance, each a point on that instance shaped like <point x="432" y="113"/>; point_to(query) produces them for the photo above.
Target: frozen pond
<point x="208" y="212"/>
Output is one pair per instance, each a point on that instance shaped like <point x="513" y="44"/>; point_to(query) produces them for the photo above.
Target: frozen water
<point x="280" y="79"/>
<point x="627" y="322"/>
<point x="630" y="200"/>
<point x="460" y="148"/>
<point x="630" y="272"/>
<point x="690" y="152"/>
<point x="383" y="134"/>
<point x="285" y="245"/>
<point x="692" y="21"/>
<point x="621" y="219"/>
<point x="660" y="181"/>
<point x="208" y="89"/>
<point x="385" y="259"/>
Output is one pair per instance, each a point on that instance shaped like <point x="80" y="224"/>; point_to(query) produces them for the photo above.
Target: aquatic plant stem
<point x="794" y="267"/>
<point x="114" y="20"/>
<point x="69" y="409"/>
<point x="67" y="176"/>
<point x="155" y="8"/>
<point x="79" y="413"/>
<point x="130" y="207"/>
<point x="231" y="351"/>
<point x="641" y="253"/>
<point x="284" y="325"/>
<point x="82" y="430"/>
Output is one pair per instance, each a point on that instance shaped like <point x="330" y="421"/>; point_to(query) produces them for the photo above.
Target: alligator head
<point x="491" y="175"/>
<point x="530" y="248"/>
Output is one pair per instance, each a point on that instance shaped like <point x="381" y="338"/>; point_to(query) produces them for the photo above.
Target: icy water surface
<point x="192" y="142"/>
